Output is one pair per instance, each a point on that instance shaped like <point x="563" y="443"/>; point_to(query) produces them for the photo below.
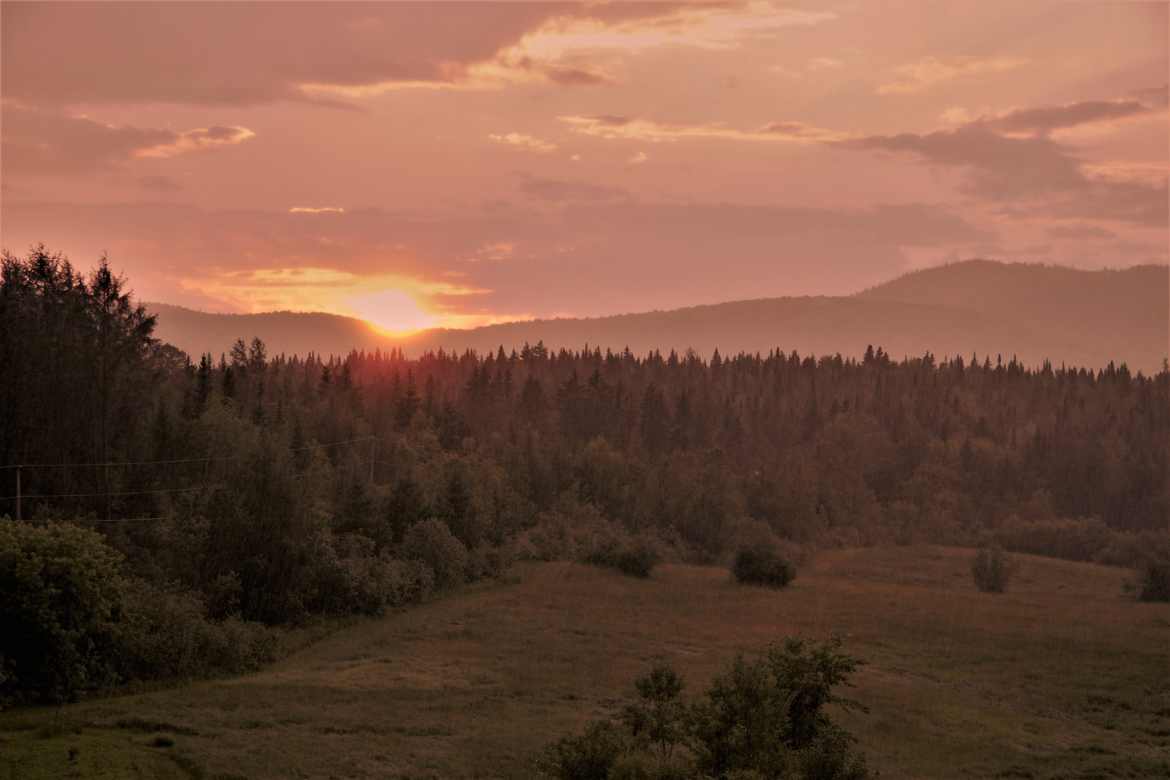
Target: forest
<point x="207" y="499"/>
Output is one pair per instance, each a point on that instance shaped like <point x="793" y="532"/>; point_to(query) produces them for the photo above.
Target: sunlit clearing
<point x="392" y="311"/>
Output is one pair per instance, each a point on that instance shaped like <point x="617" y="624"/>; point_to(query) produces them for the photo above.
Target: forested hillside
<point x="282" y="331"/>
<point x="273" y="488"/>
<point x="1031" y="312"/>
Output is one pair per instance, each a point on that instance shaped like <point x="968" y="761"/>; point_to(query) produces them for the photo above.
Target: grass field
<point x="1063" y="676"/>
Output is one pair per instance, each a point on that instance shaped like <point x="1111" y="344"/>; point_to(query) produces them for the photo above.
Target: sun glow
<point x="393" y="304"/>
<point x="394" y="312"/>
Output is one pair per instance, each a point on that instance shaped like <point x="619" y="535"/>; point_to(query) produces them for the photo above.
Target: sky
<point x="457" y="164"/>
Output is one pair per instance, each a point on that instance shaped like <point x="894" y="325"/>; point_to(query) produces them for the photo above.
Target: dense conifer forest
<point x="256" y="489"/>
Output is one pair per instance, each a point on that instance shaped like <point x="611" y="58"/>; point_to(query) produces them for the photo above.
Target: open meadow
<point x="1063" y="676"/>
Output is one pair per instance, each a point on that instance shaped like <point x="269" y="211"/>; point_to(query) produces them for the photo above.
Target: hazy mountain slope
<point x="1121" y="315"/>
<point x="197" y="332"/>
<point x="1085" y="318"/>
<point x="819" y="325"/>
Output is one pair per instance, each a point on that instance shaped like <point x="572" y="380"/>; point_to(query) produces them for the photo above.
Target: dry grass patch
<point x="1061" y="676"/>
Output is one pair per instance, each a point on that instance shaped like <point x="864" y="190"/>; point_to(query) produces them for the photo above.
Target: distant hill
<point x="1084" y="318"/>
<point x="197" y="332"/>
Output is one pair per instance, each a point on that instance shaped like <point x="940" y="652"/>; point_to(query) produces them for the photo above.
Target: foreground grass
<point x="1060" y="677"/>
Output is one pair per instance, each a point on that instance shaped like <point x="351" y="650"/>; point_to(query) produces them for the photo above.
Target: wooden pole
<point x="18" y="507"/>
<point x="373" y="455"/>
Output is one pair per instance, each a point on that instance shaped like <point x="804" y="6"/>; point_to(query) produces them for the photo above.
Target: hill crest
<point x="1032" y="311"/>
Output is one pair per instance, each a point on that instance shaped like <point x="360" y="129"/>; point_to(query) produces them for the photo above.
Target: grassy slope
<point x="1061" y="677"/>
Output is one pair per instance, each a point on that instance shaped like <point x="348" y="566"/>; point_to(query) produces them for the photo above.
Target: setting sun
<point x="394" y="312"/>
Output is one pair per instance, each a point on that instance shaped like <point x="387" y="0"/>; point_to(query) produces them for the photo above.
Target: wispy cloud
<point x="824" y="63"/>
<point x="930" y="72"/>
<point x="316" y="210"/>
<point x="195" y="140"/>
<point x="523" y="141"/>
<point x="612" y="127"/>
<point x="1041" y="175"/>
<point x="815" y="66"/>
<point x="562" y="191"/>
<point x="1048" y="119"/>
<point x="50" y="141"/>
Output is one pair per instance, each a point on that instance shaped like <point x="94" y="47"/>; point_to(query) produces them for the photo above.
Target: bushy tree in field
<point x="767" y="715"/>
<point x="992" y="569"/>
<point x="1155" y="582"/>
<point x="658" y="717"/>
<point x="760" y="718"/>
<point x="762" y="566"/>
<point x="62" y="595"/>
<point x="591" y="756"/>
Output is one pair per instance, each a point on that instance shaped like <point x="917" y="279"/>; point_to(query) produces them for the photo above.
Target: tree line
<point x="270" y="488"/>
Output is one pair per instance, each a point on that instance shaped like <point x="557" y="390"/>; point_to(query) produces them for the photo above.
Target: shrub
<point x="242" y="646"/>
<point x="162" y="634"/>
<point x="761" y="718"/>
<point x="637" y="560"/>
<point x="166" y="634"/>
<point x="380" y="583"/>
<point x="590" y="756"/>
<point x="72" y="621"/>
<point x="63" y="591"/>
<point x="1073" y="539"/>
<point x="657" y="719"/>
<point x="570" y="531"/>
<point x="992" y="569"/>
<point x="634" y="559"/>
<point x="1155" y="582"/>
<point x="761" y="566"/>
<point x="767" y="715"/>
<point x="432" y="543"/>
<point x="487" y="561"/>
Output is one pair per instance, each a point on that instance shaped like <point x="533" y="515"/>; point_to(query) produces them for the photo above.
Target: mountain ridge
<point x="1031" y="311"/>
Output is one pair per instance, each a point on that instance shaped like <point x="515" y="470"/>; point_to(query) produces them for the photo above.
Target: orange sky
<point x="455" y="164"/>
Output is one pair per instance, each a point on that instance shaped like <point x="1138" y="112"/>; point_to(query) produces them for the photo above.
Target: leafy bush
<point x="576" y="530"/>
<point x="632" y="558"/>
<point x="241" y="646"/>
<point x="487" y="561"/>
<point x="432" y="543"/>
<point x="590" y="756"/>
<point x="762" y="718"/>
<point x="992" y="569"/>
<point x="1155" y="582"/>
<point x="570" y="531"/>
<point x="762" y="566"/>
<point x="162" y="634"/>
<point x="63" y="592"/>
<point x="166" y="634"/>
<point x="1074" y="539"/>
<point x="767" y="715"/>
<point x="73" y="621"/>
<point x="381" y="583"/>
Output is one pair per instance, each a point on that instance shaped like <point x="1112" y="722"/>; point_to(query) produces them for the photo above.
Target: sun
<point x="391" y="311"/>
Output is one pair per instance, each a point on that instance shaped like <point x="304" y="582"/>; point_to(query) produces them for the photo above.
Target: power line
<point x="112" y="493"/>
<point x="114" y="464"/>
<point x="209" y="459"/>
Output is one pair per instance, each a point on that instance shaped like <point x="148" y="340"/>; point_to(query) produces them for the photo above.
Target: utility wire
<point x="114" y="493"/>
<point x="115" y="464"/>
